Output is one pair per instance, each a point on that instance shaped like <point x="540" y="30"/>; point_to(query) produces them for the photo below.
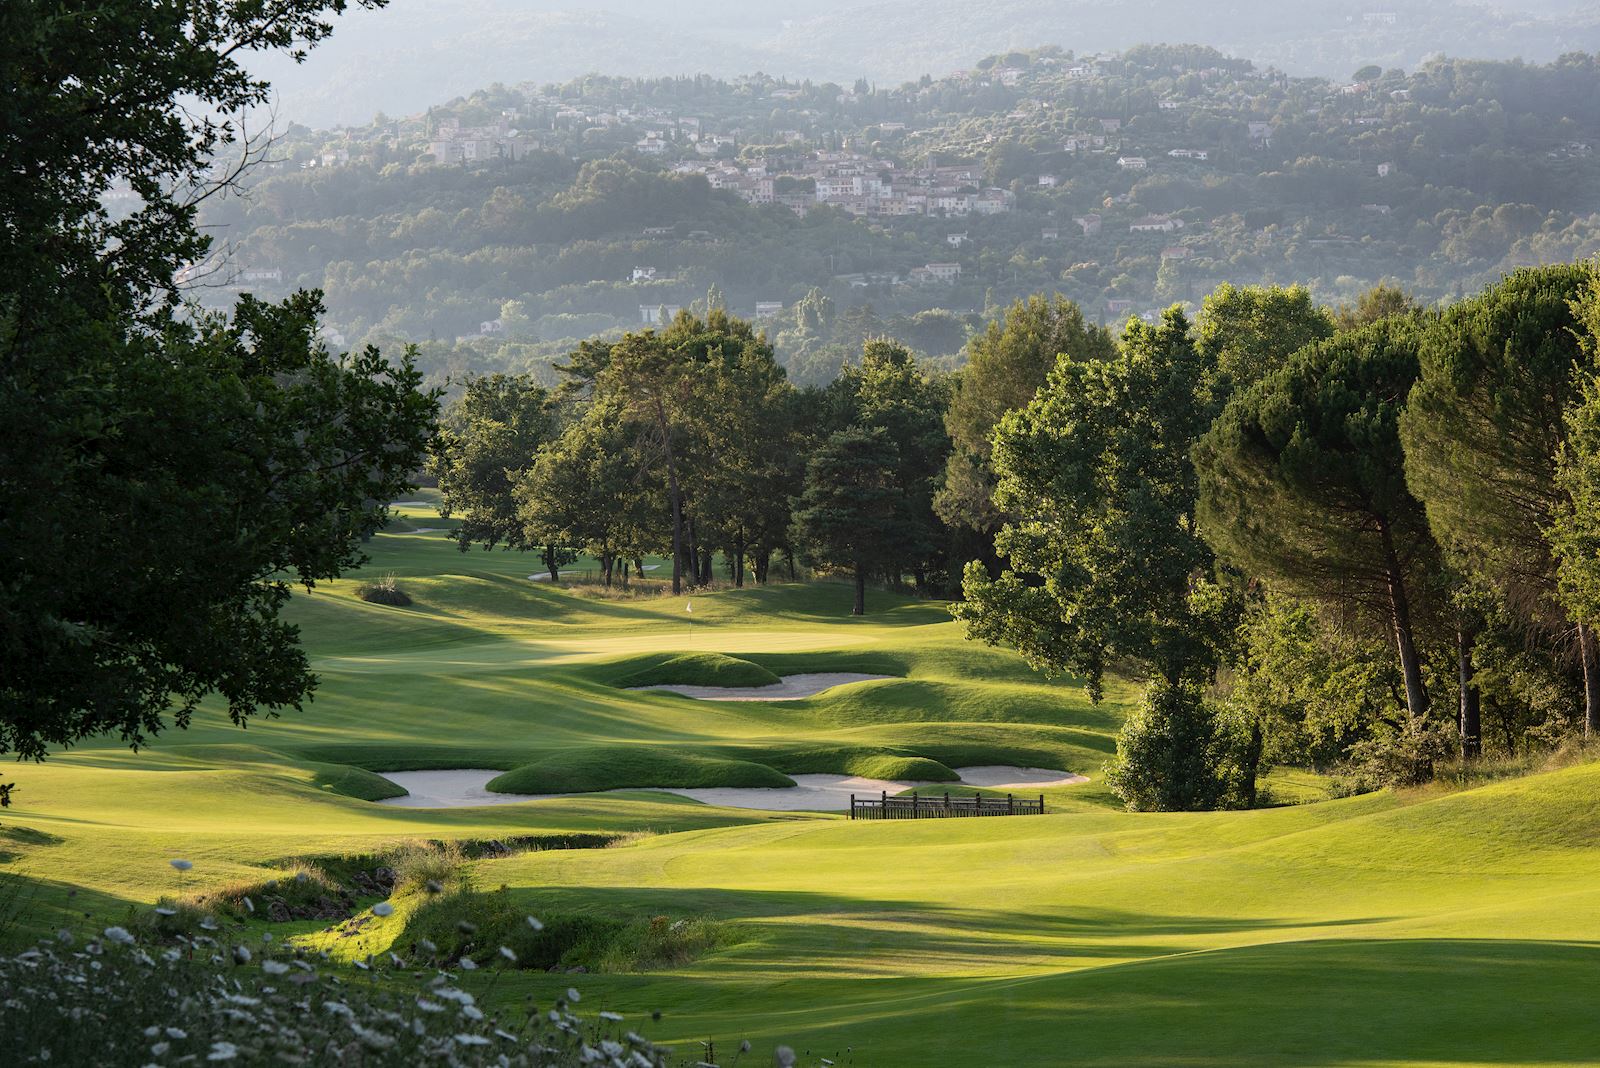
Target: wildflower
<point x="467" y="927"/>
<point x="119" y="935"/>
<point x="614" y="1017"/>
<point x="159" y="1048"/>
<point x="222" y="1051"/>
<point x="396" y="961"/>
<point x="274" y="967"/>
<point x="362" y="965"/>
<point x="506" y="952"/>
<point x="429" y="1006"/>
<point x="744" y="1047"/>
<point x="240" y="999"/>
<point x="472" y="1040"/>
<point x="535" y="924"/>
<point x="162" y="910"/>
<point x="177" y="1032"/>
<point x="207" y="923"/>
<point x="181" y="865"/>
<point x="370" y="1038"/>
<point x="783" y="1056"/>
<point x="507" y="1035"/>
<point x="826" y="1063"/>
<point x="427" y="946"/>
<point x="338" y="1008"/>
<point x="468" y="964"/>
<point x="241" y="955"/>
<point x="573" y="995"/>
<point x="472" y="1012"/>
<point x="249" y="906"/>
<point x="383" y="908"/>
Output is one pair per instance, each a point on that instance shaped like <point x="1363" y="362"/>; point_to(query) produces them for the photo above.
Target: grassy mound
<point x="619" y="767"/>
<point x="353" y="782"/>
<point x="698" y="669"/>
<point x="384" y="591"/>
<point x="474" y="926"/>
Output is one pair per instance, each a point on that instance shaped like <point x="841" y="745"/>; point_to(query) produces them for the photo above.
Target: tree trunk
<point x="763" y="560"/>
<point x="638" y="567"/>
<point x="738" y="567"/>
<point x="691" y="553"/>
<point x="1591" y="680"/>
<point x="708" y="557"/>
<point x="860" y="608"/>
<point x="1400" y="609"/>
<point x="789" y="559"/>
<point x="1252" y="763"/>
<point x="1471" y="701"/>
<point x="552" y="564"/>
<point x="674" y="495"/>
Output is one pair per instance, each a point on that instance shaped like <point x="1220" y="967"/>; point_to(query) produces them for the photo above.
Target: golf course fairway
<point x="1423" y="928"/>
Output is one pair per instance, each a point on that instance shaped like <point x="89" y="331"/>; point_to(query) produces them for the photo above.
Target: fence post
<point x="947" y="802"/>
<point x="852" y="806"/>
<point x="1041" y="804"/>
<point x="883" y="806"/>
<point x="916" y="809"/>
<point x="1011" y="805"/>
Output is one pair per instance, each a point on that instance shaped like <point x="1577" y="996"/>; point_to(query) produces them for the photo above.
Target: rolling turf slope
<point x="1420" y="929"/>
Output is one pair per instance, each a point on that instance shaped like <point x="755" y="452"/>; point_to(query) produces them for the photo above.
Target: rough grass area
<point x="698" y="669"/>
<point x="482" y="927"/>
<point x="595" y="768"/>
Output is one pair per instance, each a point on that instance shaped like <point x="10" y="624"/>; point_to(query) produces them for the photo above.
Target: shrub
<point x="1397" y="759"/>
<point x="384" y="591"/>
<point x="1173" y="755"/>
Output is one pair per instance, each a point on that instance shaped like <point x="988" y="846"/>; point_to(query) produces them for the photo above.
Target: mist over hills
<point x="414" y="53"/>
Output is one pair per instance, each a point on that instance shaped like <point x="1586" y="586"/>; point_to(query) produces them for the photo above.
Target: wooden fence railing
<point x="919" y="807"/>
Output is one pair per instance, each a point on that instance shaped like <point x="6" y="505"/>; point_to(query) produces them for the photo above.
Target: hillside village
<point x="1127" y="182"/>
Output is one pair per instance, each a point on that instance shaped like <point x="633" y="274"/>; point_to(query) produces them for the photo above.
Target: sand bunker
<point x="789" y="688"/>
<point x="465" y="787"/>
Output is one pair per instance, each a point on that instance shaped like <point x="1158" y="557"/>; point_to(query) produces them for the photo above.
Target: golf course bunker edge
<point x="467" y="788"/>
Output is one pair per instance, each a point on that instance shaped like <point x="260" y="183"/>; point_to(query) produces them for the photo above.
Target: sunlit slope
<point x="1460" y="929"/>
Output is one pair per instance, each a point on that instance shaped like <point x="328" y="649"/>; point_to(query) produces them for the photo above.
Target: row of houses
<point x="858" y="184"/>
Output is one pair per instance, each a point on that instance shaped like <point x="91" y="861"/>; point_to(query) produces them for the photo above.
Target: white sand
<point x="410" y="504"/>
<point x="789" y="688"/>
<point x="465" y="788"/>
<point x="1006" y="777"/>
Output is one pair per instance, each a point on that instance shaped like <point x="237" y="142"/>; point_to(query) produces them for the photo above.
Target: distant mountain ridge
<point x="417" y="52"/>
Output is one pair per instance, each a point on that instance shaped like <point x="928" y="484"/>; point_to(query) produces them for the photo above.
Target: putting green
<point x="1423" y="929"/>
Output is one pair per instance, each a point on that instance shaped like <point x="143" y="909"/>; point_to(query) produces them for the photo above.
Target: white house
<point x="655" y="314"/>
<point x="1132" y="163"/>
<point x="956" y="240"/>
<point x="644" y="274"/>
<point x="1163" y="224"/>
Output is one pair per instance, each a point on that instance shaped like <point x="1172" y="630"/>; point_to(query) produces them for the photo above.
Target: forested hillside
<point x="1126" y="183"/>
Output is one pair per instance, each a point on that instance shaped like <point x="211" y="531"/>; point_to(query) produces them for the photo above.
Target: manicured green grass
<point x="603" y="767"/>
<point x="1424" y="929"/>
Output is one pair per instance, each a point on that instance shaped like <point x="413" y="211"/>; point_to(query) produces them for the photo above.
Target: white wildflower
<point x="241" y="955"/>
<point x="383" y="908"/>
<point x="162" y="910"/>
<point x="274" y="967"/>
<point x="506" y="952"/>
<point x="221" y="1051"/>
<point x="468" y="964"/>
<point x="119" y="935"/>
<point x="427" y="946"/>
<point x="429" y="1006"/>
<point x="160" y="1048"/>
<point x="783" y="1056"/>
<point x="472" y="1040"/>
<point x="472" y="1012"/>
<point x="338" y="1008"/>
<point x="573" y="995"/>
<point x="535" y="924"/>
<point x="614" y="1017"/>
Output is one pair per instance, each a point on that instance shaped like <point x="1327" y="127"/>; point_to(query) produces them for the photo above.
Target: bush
<point x="1175" y="755"/>
<point x="1398" y="759"/>
<point x="384" y="591"/>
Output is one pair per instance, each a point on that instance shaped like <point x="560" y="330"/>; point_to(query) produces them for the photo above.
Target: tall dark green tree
<point x="1483" y="428"/>
<point x="1105" y="547"/>
<point x="1006" y="365"/>
<point x="1107" y="565"/>
<point x="1302" y="483"/>
<point x="489" y="439"/>
<point x="166" y="477"/>
<point x="848" y="515"/>
<point x="1250" y="331"/>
